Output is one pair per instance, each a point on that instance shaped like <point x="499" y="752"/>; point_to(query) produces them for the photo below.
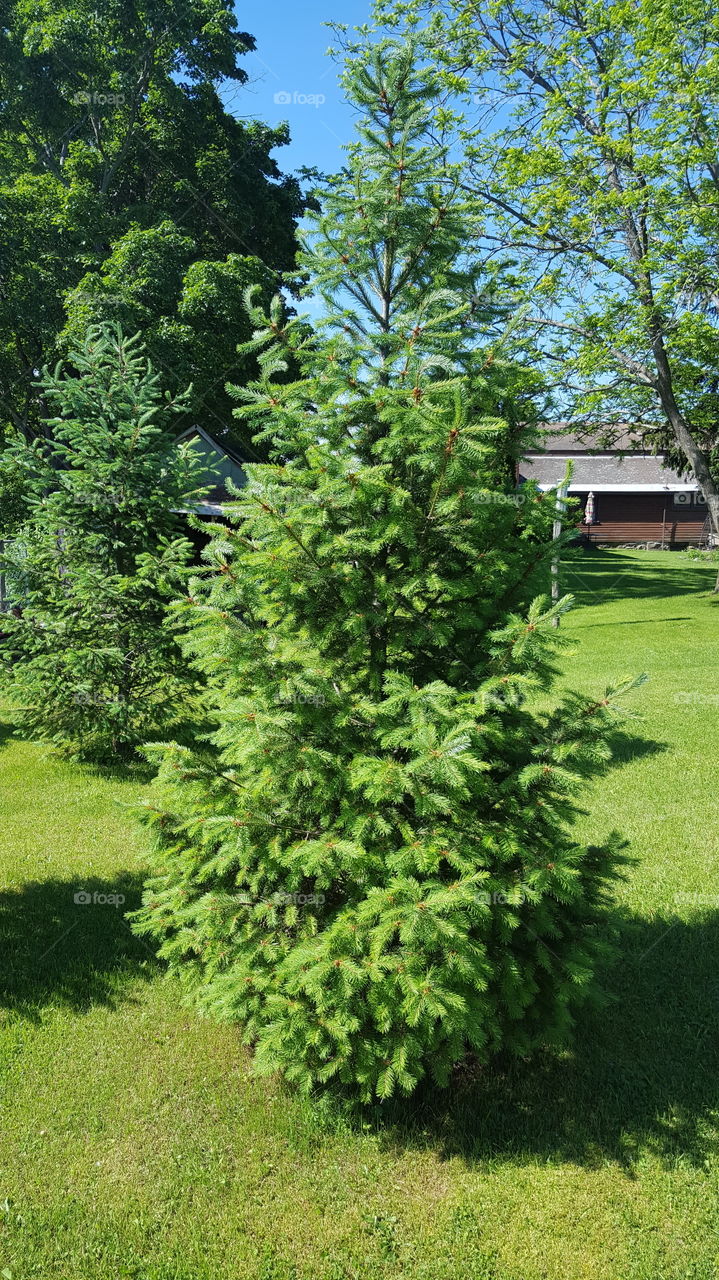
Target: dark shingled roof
<point x="625" y="465"/>
<point x="621" y="442"/>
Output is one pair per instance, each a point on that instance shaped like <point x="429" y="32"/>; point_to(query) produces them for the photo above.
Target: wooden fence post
<point x="556" y="535"/>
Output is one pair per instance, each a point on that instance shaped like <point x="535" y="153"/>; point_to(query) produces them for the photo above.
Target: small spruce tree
<point x="370" y="865"/>
<point x="93" y="665"/>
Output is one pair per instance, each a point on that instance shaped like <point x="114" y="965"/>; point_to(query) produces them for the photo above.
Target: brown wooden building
<point x="628" y="495"/>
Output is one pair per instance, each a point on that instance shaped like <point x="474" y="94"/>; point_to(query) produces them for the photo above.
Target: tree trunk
<point x="682" y="434"/>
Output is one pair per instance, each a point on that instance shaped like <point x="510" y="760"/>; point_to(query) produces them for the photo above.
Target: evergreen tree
<point x="370" y="864"/>
<point x="94" y="666"/>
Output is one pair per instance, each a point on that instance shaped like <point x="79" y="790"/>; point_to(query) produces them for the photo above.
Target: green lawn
<point x="135" y="1144"/>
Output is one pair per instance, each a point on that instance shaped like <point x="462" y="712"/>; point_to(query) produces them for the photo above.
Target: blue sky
<point x="290" y="61"/>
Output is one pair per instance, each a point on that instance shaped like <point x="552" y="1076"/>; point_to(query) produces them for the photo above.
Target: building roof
<point x="622" y="440"/>
<point x="219" y="446"/>
<point x="625" y="467"/>
<point x="223" y="464"/>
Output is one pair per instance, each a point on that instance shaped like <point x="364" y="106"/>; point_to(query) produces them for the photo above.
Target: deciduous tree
<point x="113" y="125"/>
<point x="591" y="143"/>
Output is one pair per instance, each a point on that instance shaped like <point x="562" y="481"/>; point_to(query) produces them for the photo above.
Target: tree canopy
<point x="367" y="863"/>
<point x="127" y="186"/>
<point x="589" y="134"/>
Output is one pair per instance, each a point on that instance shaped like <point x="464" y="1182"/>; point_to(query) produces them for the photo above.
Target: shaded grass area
<point x="623" y="575"/>
<point x="66" y="952"/>
<point x="642" y="1076"/>
<point x="136" y="1144"/>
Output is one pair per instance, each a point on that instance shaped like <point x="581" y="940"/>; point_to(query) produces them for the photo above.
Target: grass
<point x="135" y="1143"/>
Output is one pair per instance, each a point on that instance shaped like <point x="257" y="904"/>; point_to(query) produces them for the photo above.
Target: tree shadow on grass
<point x="599" y="576"/>
<point x="138" y="771"/>
<point x="643" y="1074"/>
<point x="626" y="747"/>
<point x="636" y="622"/>
<point x="66" y="943"/>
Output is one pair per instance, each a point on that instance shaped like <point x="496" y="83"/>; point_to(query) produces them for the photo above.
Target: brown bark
<point x="683" y="435"/>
